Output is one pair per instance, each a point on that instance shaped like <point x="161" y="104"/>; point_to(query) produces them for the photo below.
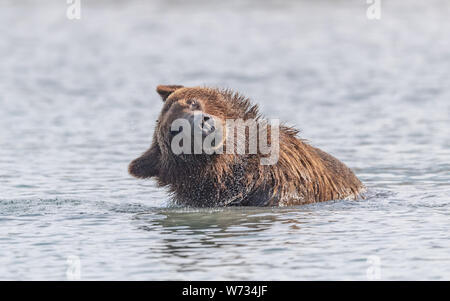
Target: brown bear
<point x="302" y="173"/>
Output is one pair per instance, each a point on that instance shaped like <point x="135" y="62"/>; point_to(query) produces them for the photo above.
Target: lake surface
<point x="78" y="103"/>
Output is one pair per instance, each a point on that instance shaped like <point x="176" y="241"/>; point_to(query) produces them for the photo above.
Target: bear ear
<point x="147" y="165"/>
<point x="165" y="90"/>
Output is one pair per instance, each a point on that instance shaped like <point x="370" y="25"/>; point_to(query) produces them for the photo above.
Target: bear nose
<point x="207" y="123"/>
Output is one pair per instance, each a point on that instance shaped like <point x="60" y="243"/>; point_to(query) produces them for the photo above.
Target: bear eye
<point x="194" y="104"/>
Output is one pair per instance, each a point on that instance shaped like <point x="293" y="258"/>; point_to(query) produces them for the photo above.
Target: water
<point x="77" y="103"/>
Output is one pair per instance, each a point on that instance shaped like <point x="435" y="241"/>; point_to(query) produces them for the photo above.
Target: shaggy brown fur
<point x="303" y="174"/>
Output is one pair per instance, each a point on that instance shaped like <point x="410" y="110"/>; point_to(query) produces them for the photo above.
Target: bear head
<point x="195" y="116"/>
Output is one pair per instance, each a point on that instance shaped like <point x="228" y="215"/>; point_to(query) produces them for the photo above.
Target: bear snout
<point x="204" y="123"/>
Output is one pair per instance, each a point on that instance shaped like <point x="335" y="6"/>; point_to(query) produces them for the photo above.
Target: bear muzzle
<point x="203" y="123"/>
<point x="198" y="128"/>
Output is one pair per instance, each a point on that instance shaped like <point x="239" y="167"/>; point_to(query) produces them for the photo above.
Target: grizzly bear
<point x="301" y="174"/>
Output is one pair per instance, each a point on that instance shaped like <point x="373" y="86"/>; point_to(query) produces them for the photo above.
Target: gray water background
<point x="78" y="102"/>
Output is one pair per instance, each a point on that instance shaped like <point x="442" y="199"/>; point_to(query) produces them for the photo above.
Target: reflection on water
<point x="210" y="228"/>
<point x="77" y="104"/>
<point x="200" y="239"/>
